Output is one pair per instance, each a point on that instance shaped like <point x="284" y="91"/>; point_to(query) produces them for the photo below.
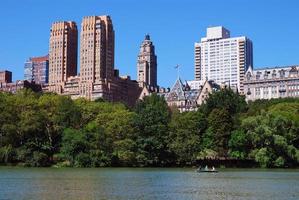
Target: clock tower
<point x="147" y="63"/>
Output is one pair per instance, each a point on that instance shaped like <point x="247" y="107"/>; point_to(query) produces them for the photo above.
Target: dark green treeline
<point x="47" y="129"/>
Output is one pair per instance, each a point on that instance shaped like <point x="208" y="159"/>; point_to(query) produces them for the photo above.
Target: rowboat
<point x="206" y="170"/>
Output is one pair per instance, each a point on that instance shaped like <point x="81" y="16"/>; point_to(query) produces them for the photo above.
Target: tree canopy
<point x="48" y="129"/>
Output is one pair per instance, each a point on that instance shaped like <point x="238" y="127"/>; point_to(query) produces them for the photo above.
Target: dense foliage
<point x="48" y="129"/>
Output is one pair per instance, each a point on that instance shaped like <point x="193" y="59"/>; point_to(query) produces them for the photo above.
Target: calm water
<point x="124" y="183"/>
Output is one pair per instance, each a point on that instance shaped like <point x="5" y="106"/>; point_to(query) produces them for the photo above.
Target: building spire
<point x="178" y="70"/>
<point x="147" y="37"/>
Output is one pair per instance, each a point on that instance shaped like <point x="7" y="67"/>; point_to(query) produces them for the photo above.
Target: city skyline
<point x="272" y="46"/>
<point x="97" y="78"/>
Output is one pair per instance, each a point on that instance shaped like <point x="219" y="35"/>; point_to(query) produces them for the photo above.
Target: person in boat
<point x="213" y="168"/>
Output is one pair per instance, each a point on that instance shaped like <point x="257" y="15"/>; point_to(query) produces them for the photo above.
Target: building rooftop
<point x="40" y="58"/>
<point x="217" y="32"/>
<point x="274" y="67"/>
<point x="1" y="71"/>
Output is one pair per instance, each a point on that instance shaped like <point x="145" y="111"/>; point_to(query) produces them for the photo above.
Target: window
<point x="282" y="73"/>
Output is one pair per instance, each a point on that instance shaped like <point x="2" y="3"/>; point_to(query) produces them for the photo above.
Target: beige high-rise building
<point x="97" y="77"/>
<point x="96" y="49"/>
<point x="63" y="51"/>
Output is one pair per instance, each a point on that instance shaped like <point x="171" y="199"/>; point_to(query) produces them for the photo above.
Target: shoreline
<point x="145" y="167"/>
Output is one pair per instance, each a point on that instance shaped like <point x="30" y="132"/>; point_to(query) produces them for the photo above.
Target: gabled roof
<point x="192" y="95"/>
<point x="213" y="84"/>
<point x="249" y="70"/>
<point x="177" y="92"/>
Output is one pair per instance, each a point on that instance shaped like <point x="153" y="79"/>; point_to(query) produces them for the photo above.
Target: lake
<point x="147" y="183"/>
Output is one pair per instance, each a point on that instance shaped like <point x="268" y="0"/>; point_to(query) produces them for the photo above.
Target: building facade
<point x="5" y="76"/>
<point x="196" y="84"/>
<point x="6" y="84"/>
<point x="273" y="82"/>
<point x="96" y="49"/>
<point x="62" y="52"/>
<point x="36" y="70"/>
<point x="13" y="87"/>
<point x="184" y="98"/>
<point x="147" y="63"/>
<point x="97" y="57"/>
<point x="223" y="59"/>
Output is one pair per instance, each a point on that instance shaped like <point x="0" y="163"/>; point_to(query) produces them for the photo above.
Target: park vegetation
<point x="51" y="130"/>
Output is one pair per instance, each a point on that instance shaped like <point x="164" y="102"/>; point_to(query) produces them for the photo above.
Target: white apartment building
<point x="272" y="82"/>
<point x="223" y="59"/>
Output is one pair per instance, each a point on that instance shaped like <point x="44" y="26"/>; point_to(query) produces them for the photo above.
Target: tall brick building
<point x="63" y="47"/>
<point x="5" y="76"/>
<point x="97" y="78"/>
<point x="96" y="49"/>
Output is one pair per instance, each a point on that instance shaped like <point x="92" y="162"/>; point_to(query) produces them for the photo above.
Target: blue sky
<point x="174" y="26"/>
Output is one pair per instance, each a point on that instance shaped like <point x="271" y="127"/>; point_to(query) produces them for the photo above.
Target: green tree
<point x="73" y="144"/>
<point x="239" y="144"/>
<point x="264" y="157"/>
<point x="225" y="99"/>
<point x="273" y="135"/>
<point x="186" y="130"/>
<point x="152" y="120"/>
<point x="59" y="113"/>
<point x="220" y="125"/>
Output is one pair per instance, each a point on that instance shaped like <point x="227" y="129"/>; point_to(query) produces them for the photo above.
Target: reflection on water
<point x="132" y="183"/>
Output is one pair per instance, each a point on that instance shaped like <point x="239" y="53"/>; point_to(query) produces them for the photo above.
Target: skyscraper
<point x="36" y="69"/>
<point x="97" y="77"/>
<point x="223" y="59"/>
<point x="63" y="51"/>
<point x="96" y="49"/>
<point x="147" y="63"/>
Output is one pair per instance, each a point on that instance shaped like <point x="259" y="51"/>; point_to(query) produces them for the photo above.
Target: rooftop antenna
<point x="178" y="70"/>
